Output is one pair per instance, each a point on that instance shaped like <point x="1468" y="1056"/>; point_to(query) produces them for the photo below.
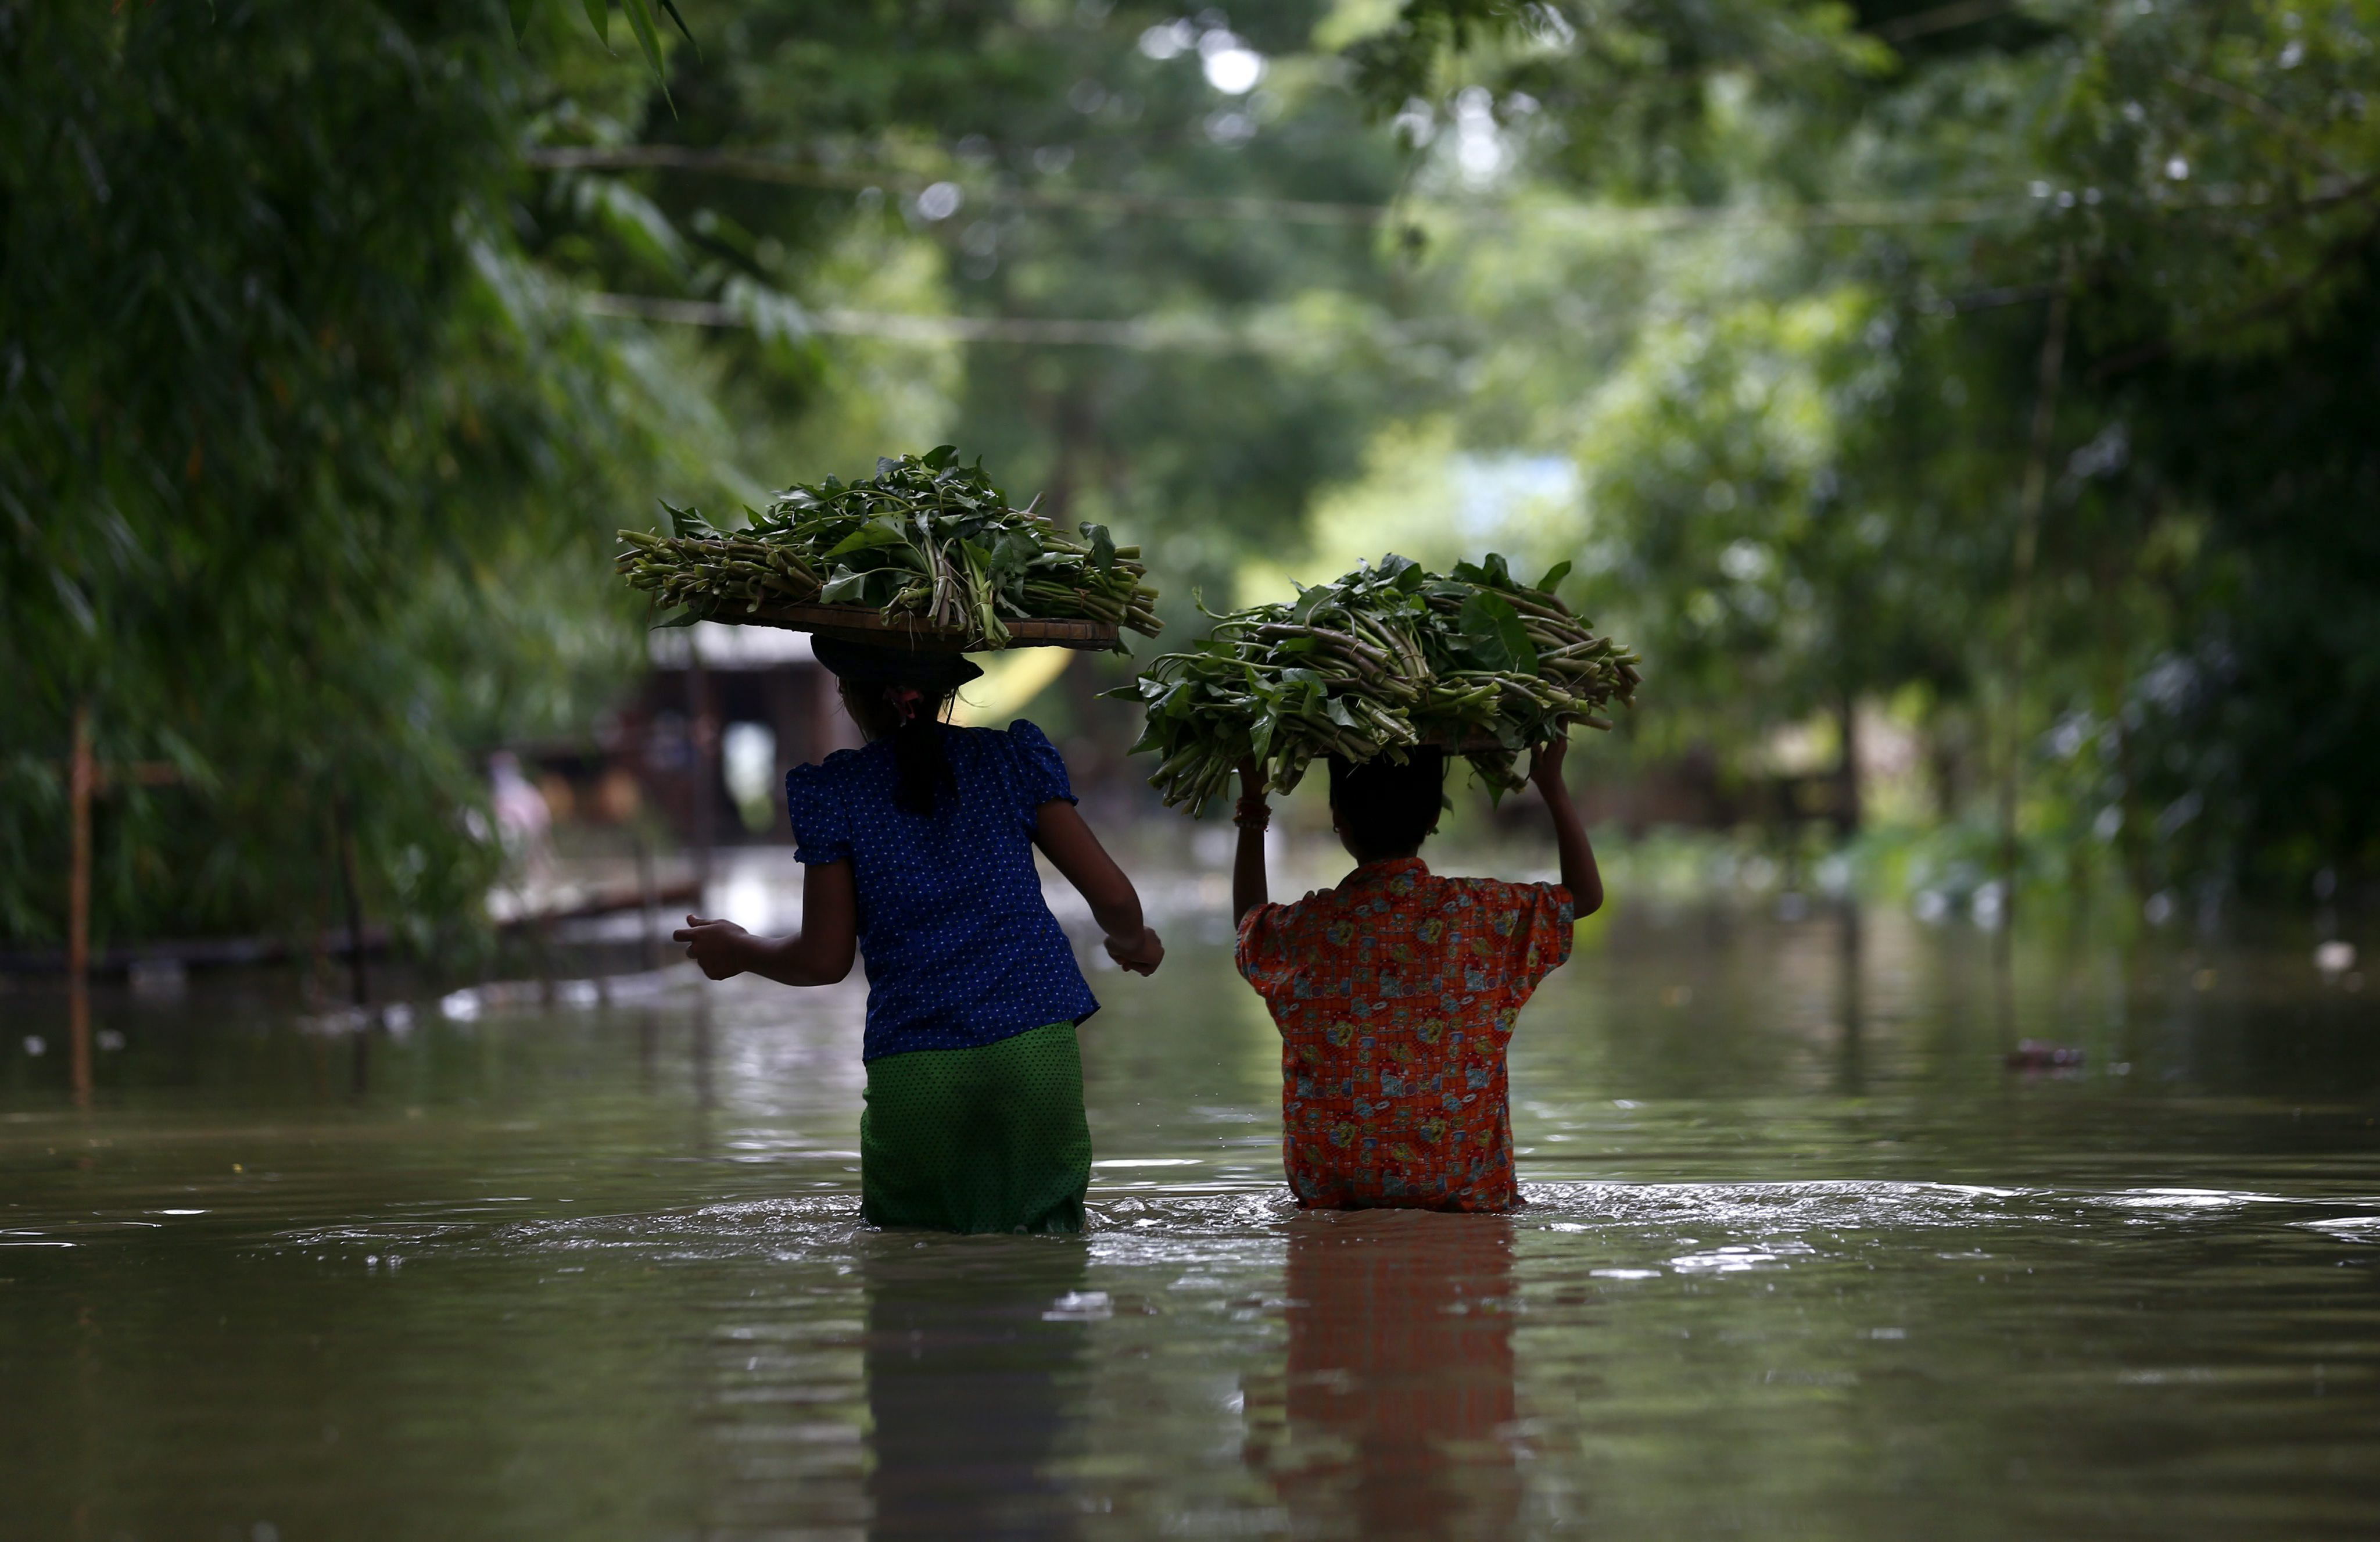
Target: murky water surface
<point x="1802" y="1257"/>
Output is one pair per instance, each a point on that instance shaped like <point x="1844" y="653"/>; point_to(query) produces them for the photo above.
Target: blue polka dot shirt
<point x="961" y="949"/>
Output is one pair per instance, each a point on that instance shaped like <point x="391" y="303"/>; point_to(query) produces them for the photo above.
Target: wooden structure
<point x="863" y="623"/>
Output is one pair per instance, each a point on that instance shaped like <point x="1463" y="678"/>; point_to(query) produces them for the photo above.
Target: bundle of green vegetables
<point x="925" y="538"/>
<point x="1377" y="663"/>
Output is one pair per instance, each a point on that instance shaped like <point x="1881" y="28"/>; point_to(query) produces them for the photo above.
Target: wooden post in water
<point x="703" y="734"/>
<point x="344" y="834"/>
<point x="649" y="944"/>
<point x="82" y="773"/>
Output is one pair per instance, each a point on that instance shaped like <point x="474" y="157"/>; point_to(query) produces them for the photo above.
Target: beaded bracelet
<point x="1252" y="813"/>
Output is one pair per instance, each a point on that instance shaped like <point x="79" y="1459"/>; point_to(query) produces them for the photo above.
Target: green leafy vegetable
<point x="1378" y="662"/>
<point x="925" y="537"/>
<point x="1498" y="639"/>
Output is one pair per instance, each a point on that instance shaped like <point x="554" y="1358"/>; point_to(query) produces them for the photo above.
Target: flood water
<point x="1801" y="1257"/>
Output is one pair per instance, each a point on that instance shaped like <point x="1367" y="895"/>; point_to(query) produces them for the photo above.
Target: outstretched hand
<point x="719" y="946"/>
<point x="1139" y="955"/>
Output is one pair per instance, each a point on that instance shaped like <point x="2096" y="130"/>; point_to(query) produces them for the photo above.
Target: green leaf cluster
<point x="641" y="25"/>
<point x="1891" y="239"/>
<point x="296" y="452"/>
<point x="926" y="538"/>
<point x="1374" y="663"/>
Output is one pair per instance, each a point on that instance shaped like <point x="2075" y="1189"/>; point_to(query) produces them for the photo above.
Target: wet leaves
<point x="925" y="537"/>
<point x="1380" y="661"/>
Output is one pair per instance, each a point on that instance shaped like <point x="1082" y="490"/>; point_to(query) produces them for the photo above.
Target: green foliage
<point x="1376" y="663"/>
<point x="1803" y="439"/>
<point x="924" y="539"/>
<point x="309" y="440"/>
<point x="1040" y="118"/>
<point x="1644" y="91"/>
<point x="285" y="424"/>
<point x="599" y="17"/>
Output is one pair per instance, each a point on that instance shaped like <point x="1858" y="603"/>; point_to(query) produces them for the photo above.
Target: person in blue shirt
<point x="917" y="854"/>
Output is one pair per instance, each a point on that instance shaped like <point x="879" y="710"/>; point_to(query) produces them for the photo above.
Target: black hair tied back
<point x="918" y="751"/>
<point x="901" y="694"/>
<point x="1386" y="807"/>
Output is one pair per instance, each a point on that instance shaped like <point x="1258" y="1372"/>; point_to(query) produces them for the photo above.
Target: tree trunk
<point x="1848" y="810"/>
<point x="2028" y="539"/>
<point x="82" y="773"/>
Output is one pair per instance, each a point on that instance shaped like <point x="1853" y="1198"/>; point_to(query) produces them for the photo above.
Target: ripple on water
<point x="1722" y="1228"/>
<point x="1844" y="1206"/>
<point x="803" y="1226"/>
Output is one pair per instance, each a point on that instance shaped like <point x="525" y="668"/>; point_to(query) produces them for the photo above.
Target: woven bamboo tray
<point x="864" y="623"/>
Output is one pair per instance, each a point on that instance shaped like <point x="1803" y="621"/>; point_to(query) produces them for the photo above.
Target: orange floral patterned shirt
<point x="1395" y="995"/>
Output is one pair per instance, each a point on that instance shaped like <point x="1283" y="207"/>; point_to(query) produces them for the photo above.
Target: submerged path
<point x="1800" y="1256"/>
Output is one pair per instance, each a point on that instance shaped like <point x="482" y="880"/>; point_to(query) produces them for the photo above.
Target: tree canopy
<point x="1899" y="232"/>
<point x="2006" y="364"/>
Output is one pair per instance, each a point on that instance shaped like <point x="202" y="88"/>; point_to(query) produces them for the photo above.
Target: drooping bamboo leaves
<point x="640" y="23"/>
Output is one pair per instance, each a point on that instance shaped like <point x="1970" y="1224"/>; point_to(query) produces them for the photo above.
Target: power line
<point x="750" y="165"/>
<point x="909" y="327"/>
<point x="754" y="167"/>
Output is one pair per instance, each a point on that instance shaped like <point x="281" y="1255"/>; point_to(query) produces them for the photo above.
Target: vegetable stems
<point x="925" y="538"/>
<point x="1380" y="662"/>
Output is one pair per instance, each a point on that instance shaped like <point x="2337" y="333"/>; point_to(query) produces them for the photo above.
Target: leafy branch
<point x="641" y="23"/>
<point x="1380" y="661"/>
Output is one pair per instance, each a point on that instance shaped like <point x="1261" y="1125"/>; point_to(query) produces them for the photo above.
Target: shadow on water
<point x="1393" y="1414"/>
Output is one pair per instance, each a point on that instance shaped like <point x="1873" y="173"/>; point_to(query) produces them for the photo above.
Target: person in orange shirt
<point x="1395" y="992"/>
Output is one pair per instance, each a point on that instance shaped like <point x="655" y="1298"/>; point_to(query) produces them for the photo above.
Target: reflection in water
<point x="1851" y="1001"/>
<point x="529" y="1287"/>
<point x="1396" y="1411"/>
<point x="704" y="1054"/>
<point x="975" y="1353"/>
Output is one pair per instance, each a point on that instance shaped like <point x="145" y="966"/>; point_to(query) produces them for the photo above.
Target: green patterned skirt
<point x="988" y="1139"/>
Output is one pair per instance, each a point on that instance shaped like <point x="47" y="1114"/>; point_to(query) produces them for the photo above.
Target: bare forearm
<point x="789" y="962"/>
<point x="1248" y="888"/>
<point x="1071" y="847"/>
<point x="1253" y="815"/>
<point x="819" y="954"/>
<point x="1075" y="853"/>
<point x="1579" y="873"/>
<point x="1119" y="915"/>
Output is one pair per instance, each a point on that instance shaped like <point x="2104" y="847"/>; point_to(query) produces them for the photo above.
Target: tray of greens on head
<point x="927" y="553"/>
<point x="1380" y="662"/>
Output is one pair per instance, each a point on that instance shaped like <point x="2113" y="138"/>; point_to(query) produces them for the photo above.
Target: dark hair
<point x="912" y="719"/>
<point x="1387" y="809"/>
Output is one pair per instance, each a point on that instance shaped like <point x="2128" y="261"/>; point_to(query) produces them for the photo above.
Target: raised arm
<point x="1579" y="874"/>
<point x="819" y="954"/>
<point x="1059" y="832"/>
<point x="1248" y="860"/>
